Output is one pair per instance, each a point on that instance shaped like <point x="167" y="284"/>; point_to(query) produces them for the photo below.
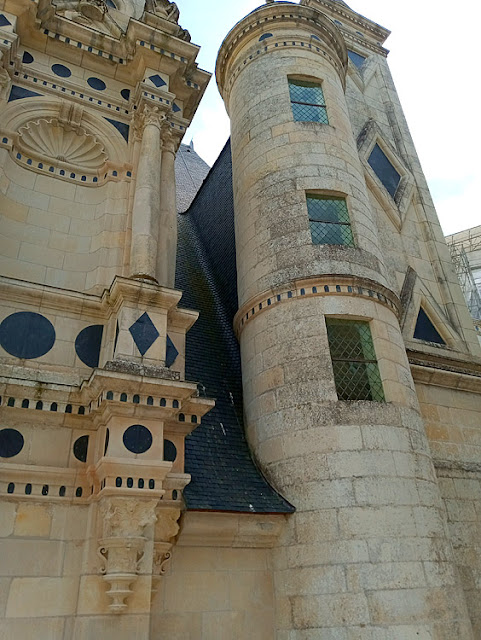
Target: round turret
<point x="331" y="410"/>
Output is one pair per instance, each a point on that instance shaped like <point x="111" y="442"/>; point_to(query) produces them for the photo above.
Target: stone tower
<point x="320" y="174"/>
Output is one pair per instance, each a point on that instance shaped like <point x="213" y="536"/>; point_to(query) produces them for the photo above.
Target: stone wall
<point x="461" y="491"/>
<point x="215" y="593"/>
<point x="58" y="233"/>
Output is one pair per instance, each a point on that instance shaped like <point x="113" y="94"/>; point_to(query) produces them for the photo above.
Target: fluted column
<point x="146" y="207"/>
<point x="167" y="232"/>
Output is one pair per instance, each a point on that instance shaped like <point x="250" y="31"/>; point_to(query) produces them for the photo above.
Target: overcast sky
<point x="436" y="70"/>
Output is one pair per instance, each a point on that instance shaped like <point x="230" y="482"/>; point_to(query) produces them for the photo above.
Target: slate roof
<point x="190" y="172"/>
<point x="224" y="476"/>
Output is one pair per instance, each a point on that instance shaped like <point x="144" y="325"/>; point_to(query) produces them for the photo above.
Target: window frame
<point x="308" y="83"/>
<point x="392" y="161"/>
<point x="370" y="372"/>
<point x="310" y="195"/>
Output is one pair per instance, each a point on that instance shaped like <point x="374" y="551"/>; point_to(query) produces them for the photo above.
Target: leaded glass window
<point x="307" y="100"/>
<point x="357" y="58"/>
<point x="356" y="372"/>
<point x="425" y="329"/>
<point x="329" y="220"/>
<point x="384" y="170"/>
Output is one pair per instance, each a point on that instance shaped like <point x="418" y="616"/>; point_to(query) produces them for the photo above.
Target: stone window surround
<point x="396" y="207"/>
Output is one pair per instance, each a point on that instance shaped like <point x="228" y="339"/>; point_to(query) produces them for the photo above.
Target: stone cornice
<point x="123" y="45"/>
<point x="455" y="468"/>
<point x="376" y="31"/>
<point x="144" y="43"/>
<point x="325" y="285"/>
<point x="73" y="302"/>
<point x="444" y="371"/>
<point x="268" y="18"/>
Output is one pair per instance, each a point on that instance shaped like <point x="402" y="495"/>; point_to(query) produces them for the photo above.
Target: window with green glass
<point x="307" y="100"/>
<point x="356" y="372"/>
<point x="329" y="220"/>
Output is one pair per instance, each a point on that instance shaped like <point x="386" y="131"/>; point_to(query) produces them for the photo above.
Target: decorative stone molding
<point x="93" y="9"/>
<point x="122" y="546"/>
<point x="126" y="517"/>
<point x="5" y="84"/>
<point x="169" y="141"/>
<point x="62" y="140"/>
<point x="234" y="56"/>
<point x="166" y="529"/>
<point x="375" y="34"/>
<point x="50" y="140"/>
<point x="442" y="371"/>
<point x="329" y="285"/>
<point x="162" y="556"/>
<point x="154" y="116"/>
<point x="164" y="9"/>
<point x="148" y="114"/>
<point x="396" y="207"/>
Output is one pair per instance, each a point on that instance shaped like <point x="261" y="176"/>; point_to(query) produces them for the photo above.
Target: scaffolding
<point x="460" y="246"/>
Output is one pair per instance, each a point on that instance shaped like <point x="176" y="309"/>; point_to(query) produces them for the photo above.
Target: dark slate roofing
<point x="224" y="476"/>
<point x="190" y="171"/>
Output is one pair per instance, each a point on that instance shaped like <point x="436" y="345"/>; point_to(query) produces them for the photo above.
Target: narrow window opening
<point x="329" y="220"/>
<point x="307" y="101"/>
<point x="356" y="372"/>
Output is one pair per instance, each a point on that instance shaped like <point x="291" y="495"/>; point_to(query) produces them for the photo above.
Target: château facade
<point x="241" y="403"/>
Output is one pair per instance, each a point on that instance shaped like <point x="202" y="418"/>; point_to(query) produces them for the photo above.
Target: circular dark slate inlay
<point x="80" y="448"/>
<point x="27" y="58"/>
<point x="170" y="451"/>
<point x="88" y="343"/>
<point x="11" y="443"/>
<point x="125" y="93"/>
<point x="137" y="439"/>
<point x="61" y="70"/>
<point x="97" y="84"/>
<point x="27" y="335"/>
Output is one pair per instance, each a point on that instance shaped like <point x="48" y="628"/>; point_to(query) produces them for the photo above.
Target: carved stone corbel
<point x="166" y="530"/>
<point x="5" y="84"/>
<point x="122" y="546"/>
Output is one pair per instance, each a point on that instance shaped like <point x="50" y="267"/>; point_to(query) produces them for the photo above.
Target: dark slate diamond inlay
<point x="4" y="21"/>
<point x="144" y="333"/>
<point x="157" y="80"/>
<point x="171" y="353"/>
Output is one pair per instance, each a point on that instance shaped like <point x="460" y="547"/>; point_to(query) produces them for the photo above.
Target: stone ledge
<point x="141" y="370"/>
<point x="325" y="285"/>
<point x="238" y="530"/>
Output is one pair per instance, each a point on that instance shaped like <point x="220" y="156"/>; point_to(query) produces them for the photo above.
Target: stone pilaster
<point x="145" y="212"/>
<point x="167" y="232"/>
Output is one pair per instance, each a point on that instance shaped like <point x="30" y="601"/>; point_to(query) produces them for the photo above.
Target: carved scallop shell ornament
<point x="47" y="139"/>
